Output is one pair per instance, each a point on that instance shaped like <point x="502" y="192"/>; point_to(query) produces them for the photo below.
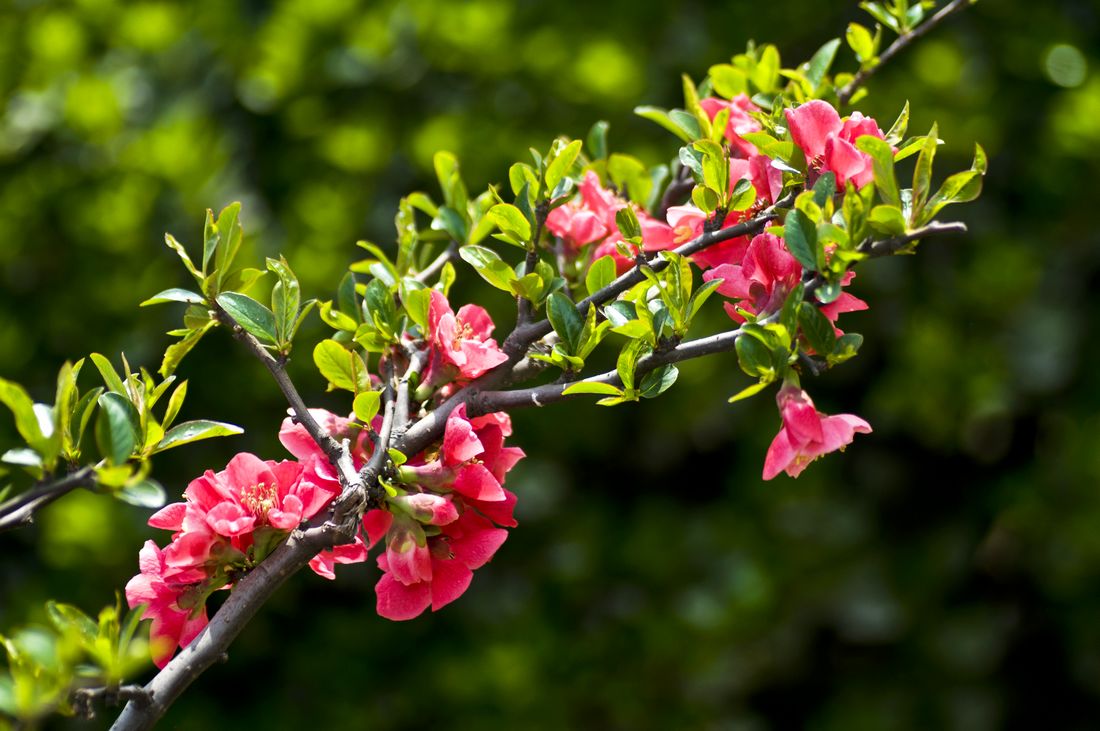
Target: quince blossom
<point x="177" y="617"/>
<point x="806" y="433"/>
<point x="591" y="219"/>
<point x="829" y="144"/>
<point x="461" y="343"/>
<point x="739" y="120"/>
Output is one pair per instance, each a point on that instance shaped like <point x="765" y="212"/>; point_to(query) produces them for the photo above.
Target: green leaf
<point x="662" y="117"/>
<point x="898" y="129"/>
<point x="728" y="80"/>
<point x="847" y="346"/>
<point x="628" y="361"/>
<point x="452" y="222"/>
<point x="816" y="328"/>
<point x="821" y="61"/>
<point x="742" y="196"/>
<point x="597" y="140"/>
<point x="750" y="390"/>
<point x="754" y="357"/>
<point x="700" y="295"/>
<point x="117" y="428"/>
<point x="511" y="221"/>
<point x="174" y="295"/>
<point x="15" y="398"/>
<point x="193" y="431"/>
<point x="66" y="617"/>
<point x="567" y="322"/>
<point x="109" y="374"/>
<point x="922" y="173"/>
<point x="417" y="303"/>
<point x="861" y="42"/>
<point x="959" y="188"/>
<point x="600" y="389"/>
<point x="341" y="367"/>
<point x="175" y="402"/>
<point x="176" y="352"/>
<point x="177" y="247"/>
<point x="286" y="300"/>
<point x="559" y="166"/>
<point x="145" y="493"/>
<point x="366" y="405"/>
<point x="800" y="235"/>
<point x="600" y="274"/>
<point x="628" y="224"/>
<point x="489" y="265"/>
<point x="882" y="161"/>
<point x="658" y="381"/>
<point x="252" y="316"/>
<point x="887" y="219"/>
<point x="825" y="188"/>
<point x="230" y="235"/>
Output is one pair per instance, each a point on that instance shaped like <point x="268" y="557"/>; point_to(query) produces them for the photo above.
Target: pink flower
<point x="463" y="546"/>
<point x="829" y="144"/>
<point x="740" y="122"/>
<point x="763" y="279"/>
<point x="459" y="466"/>
<point x="461" y="342"/>
<point x="324" y="563"/>
<point x="806" y="433"/>
<point x="687" y="221"/>
<point x="173" y="625"/>
<point x="591" y="219"/>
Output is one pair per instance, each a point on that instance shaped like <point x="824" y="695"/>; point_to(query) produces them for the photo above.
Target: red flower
<point x="461" y="343"/>
<point x="806" y="433"/>
<point x="739" y="122"/>
<point x="173" y="625"/>
<point x="463" y="546"/>
<point x="829" y="144"/>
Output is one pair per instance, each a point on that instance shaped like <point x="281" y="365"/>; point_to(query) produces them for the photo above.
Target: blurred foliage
<point x="943" y="573"/>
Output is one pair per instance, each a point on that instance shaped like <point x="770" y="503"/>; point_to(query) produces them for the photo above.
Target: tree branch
<point x="845" y="93"/>
<point x="438" y="263"/>
<point x="19" y="510"/>
<point x="488" y="401"/>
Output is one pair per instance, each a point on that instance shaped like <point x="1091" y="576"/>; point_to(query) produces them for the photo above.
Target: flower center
<point x="463" y="331"/>
<point x="260" y="498"/>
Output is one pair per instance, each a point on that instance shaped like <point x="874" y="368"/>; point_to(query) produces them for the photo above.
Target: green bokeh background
<point x="943" y="573"/>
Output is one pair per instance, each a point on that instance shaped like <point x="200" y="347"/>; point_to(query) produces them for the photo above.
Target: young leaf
<point x="176" y="351"/>
<point x="567" y="322"/>
<point x="922" y="174"/>
<point x="882" y="161"/>
<point x="597" y="140"/>
<point x="109" y="374"/>
<point x="658" y="381"/>
<point x="600" y="274"/>
<point x="800" y="235"/>
<point x="256" y="319"/>
<point x="117" y="427"/>
<point x="750" y="390"/>
<point x="177" y="247"/>
<point x="145" y="493"/>
<point x="821" y="61"/>
<point x="511" y="222"/>
<point x="193" y="431"/>
<point x="816" y="328"/>
<point x="230" y="234"/>
<point x="174" y="295"/>
<point x="366" y="405"/>
<point x="600" y="389"/>
<point x="489" y="265"/>
<point x="560" y="165"/>
<point x="341" y="367"/>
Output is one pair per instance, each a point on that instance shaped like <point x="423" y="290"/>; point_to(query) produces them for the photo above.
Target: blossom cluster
<point x="444" y="515"/>
<point x="757" y="273"/>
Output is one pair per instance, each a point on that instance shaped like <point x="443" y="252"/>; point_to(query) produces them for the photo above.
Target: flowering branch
<point x="19" y="511"/>
<point x="845" y="93"/>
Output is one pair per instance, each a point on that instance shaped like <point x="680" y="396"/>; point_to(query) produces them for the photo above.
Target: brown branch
<point x="845" y="93"/>
<point x="488" y="401"/>
<point x="19" y="510"/>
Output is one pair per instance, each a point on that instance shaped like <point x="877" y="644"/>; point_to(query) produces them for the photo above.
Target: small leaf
<point x="597" y="140"/>
<point x="510" y="220"/>
<point x="821" y="61"/>
<point x="175" y="401"/>
<point x="567" y="322"/>
<point x="109" y="374"/>
<point x="658" y="381"/>
<point x="861" y="42"/>
<point x="600" y="389"/>
<point x="887" y="220"/>
<point x="750" y="390"/>
<point x="117" y="427"/>
<point x="177" y="247"/>
<point x="559" y="166"/>
<point x="800" y="234"/>
<point x="174" y="295"/>
<point x="600" y="274"/>
<point x="193" y="431"/>
<point x="366" y="405"/>
<point x="882" y="162"/>
<point x="16" y="398"/>
<point x="252" y="316"/>
<point x="816" y="328"/>
<point x="145" y="493"/>
<point x="341" y="367"/>
<point x="176" y="351"/>
<point x="662" y="117"/>
<point x="489" y="265"/>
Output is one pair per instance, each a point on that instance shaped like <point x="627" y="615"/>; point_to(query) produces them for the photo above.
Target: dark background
<point x="943" y="573"/>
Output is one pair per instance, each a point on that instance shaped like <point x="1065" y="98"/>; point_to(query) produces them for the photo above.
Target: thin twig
<point x="845" y="93"/>
<point x="19" y="510"/>
<point x="438" y="263"/>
